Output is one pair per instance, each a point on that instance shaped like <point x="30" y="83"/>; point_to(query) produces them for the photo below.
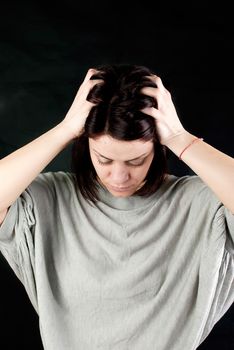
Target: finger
<point x="90" y="72"/>
<point x="90" y="84"/>
<point x="150" y="91"/>
<point x="151" y="111"/>
<point x="157" y="80"/>
<point x="86" y="87"/>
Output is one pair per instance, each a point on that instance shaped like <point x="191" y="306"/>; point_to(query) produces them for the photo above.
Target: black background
<point x="46" y="49"/>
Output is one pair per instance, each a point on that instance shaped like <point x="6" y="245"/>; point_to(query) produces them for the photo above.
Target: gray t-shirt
<point x="128" y="273"/>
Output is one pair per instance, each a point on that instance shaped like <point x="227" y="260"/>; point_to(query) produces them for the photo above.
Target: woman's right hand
<point x="80" y="108"/>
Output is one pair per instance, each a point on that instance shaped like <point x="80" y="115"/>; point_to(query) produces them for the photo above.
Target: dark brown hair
<point x="118" y="114"/>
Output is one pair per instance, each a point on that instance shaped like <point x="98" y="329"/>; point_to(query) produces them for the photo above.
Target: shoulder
<point x="182" y="183"/>
<point x="58" y="178"/>
<point x="189" y="187"/>
<point x="53" y="183"/>
<point x="186" y="181"/>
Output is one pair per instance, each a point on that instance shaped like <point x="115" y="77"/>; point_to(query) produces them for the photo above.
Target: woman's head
<point x="121" y="166"/>
<point x="118" y="134"/>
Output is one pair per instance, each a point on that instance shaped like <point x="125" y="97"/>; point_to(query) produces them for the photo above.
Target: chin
<point x="120" y="195"/>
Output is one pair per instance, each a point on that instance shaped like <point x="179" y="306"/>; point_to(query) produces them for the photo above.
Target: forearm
<point x="19" y="169"/>
<point x="214" y="167"/>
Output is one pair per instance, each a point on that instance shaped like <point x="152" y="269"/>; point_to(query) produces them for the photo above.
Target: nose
<point x="119" y="175"/>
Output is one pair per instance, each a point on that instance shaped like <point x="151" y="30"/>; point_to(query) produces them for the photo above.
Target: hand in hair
<point x="167" y="120"/>
<point x="80" y="108"/>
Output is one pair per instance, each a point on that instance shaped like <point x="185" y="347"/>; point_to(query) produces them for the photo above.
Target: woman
<point x="119" y="254"/>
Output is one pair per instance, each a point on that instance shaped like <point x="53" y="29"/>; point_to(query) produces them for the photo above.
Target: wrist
<point x="68" y="131"/>
<point x="179" y="142"/>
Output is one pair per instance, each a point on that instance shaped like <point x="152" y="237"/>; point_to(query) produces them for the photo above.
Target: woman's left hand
<point x="165" y="115"/>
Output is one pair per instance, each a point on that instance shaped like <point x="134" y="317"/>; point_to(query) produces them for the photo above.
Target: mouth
<point x="120" y="189"/>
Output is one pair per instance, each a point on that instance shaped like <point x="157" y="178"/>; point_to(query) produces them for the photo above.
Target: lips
<point x="120" y="189"/>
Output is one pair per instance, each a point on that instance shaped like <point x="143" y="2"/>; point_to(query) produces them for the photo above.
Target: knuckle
<point x="92" y="70"/>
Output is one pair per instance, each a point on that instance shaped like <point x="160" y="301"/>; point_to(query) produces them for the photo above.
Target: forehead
<point x="116" y="149"/>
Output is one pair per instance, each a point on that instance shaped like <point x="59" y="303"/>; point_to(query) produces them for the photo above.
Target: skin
<point x="118" y="169"/>
<point x="208" y="163"/>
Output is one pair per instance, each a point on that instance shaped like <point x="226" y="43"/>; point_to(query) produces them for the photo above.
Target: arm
<point x="215" y="168"/>
<point x="20" y="168"/>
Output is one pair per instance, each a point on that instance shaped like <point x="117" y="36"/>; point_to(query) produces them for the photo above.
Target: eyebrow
<point x="129" y="160"/>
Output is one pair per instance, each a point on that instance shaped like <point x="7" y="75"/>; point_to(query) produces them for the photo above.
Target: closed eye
<point x="133" y="163"/>
<point x="137" y="163"/>
<point x="104" y="163"/>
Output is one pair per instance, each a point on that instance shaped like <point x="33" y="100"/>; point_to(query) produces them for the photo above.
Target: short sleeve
<point x="28" y="229"/>
<point x="220" y="239"/>
<point x="224" y="294"/>
<point x="224" y="225"/>
<point x="211" y="212"/>
<point x="17" y="242"/>
<point x="227" y="220"/>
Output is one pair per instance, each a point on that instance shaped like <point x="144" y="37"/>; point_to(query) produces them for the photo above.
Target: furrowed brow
<point x="129" y="160"/>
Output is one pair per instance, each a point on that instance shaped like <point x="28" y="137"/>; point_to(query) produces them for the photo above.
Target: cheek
<point x="143" y="171"/>
<point x="101" y="170"/>
<point x="147" y="165"/>
<point x="139" y="173"/>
